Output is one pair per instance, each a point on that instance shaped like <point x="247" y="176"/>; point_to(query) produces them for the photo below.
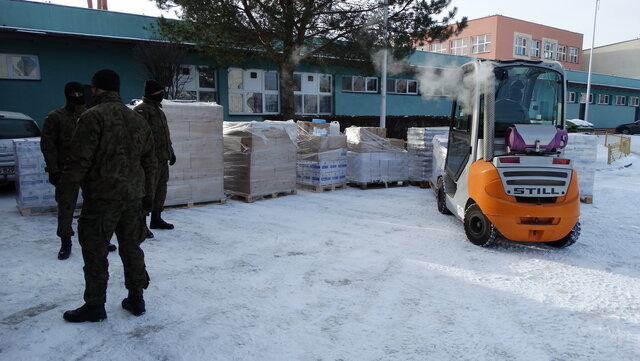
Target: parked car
<point x="13" y="126"/>
<point x="631" y="128"/>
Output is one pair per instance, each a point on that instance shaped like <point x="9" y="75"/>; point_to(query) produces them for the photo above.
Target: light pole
<point x="593" y="39"/>
<point x="383" y="80"/>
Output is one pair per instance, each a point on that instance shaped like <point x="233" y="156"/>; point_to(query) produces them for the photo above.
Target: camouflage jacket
<point x="112" y="152"/>
<point x="151" y="111"/>
<point x="57" y="132"/>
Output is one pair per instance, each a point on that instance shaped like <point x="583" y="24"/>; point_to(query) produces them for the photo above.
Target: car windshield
<point x="528" y="95"/>
<point x="18" y="128"/>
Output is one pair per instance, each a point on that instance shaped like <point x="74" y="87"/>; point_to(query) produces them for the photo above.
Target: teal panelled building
<point x="43" y="46"/>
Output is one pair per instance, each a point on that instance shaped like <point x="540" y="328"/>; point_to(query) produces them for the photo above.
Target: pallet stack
<point x="420" y="149"/>
<point x="582" y="149"/>
<point x="259" y="159"/>
<point x="35" y="195"/>
<point x="322" y="159"/>
<point x="372" y="158"/>
<point x="196" y="135"/>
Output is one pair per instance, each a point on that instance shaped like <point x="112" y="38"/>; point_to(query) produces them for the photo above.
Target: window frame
<point x="8" y="66"/>
<point x="634" y="101"/>
<point x="303" y="95"/>
<point x="549" y="48"/>
<point x="621" y="100"/>
<point x="561" y="52"/>
<point x="481" y="41"/>
<point x="573" y="55"/>
<point x="521" y="45"/>
<point x="535" y="48"/>
<point x="245" y="90"/>
<point x="583" y="95"/>
<point x="604" y="99"/>
<point x="571" y="97"/>
<point x="407" y="86"/>
<point x="365" y="79"/>
<point x="456" y="49"/>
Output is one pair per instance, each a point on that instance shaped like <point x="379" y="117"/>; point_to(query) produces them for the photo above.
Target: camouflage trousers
<point x="99" y="219"/>
<point x="67" y="199"/>
<point x="162" y="177"/>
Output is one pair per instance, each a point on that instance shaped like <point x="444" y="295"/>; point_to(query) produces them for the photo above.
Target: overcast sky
<point x="618" y="20"/>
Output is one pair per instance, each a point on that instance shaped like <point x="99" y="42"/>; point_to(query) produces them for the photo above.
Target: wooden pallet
<point x="319" y="189"/>
<point x="250" y="198"/>
<point x="196" y="204"/>
<point x="586" y="199"/>
<point x="35" y="211"/>
<point x="421" y="184"/>
<point x="379" y="184"/>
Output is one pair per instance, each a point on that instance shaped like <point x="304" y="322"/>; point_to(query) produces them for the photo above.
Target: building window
<point x="571" y="97"/>
<point x="402" y="86"/>
<point x="535" y="48"/>
<point x="584" y="95"/>
<point x="196" y="83"/>
<point x="520" y="46"/>
<point x="549" y="47"/>
<point x="20" y="67"/>
<point x="573" y="55"/>
<point x="356" y="83"/>
<point x="458" y="46"/>
<point x="312" y="93"/>
<point x="634" y="101"/>
<point x="561" y="53"/>
<point x="603" y="99"/>
<point x="621" y="100"/>
<point x="439" y="48"/>
<point x="481" y="44"/>
<point x="253" y="91"/>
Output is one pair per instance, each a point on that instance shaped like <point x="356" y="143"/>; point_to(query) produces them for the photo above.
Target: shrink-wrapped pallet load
<point x="196" y="136"/>
<point x="439" y="146"/>
<point x="582" y="149"/>
<point x="322" y="158"/>
<point x="34" y="193"/>
<point x="259" y="158"/>
<point x="372" y="158"/>
<point x="420" y="149"/>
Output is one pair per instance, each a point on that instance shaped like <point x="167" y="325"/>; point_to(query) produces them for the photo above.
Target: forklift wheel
<point x="440" y="197"/>
<point x="567" y="240"/>
<point x="478" y="228"/>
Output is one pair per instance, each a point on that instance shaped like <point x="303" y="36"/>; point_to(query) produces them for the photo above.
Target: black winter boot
<point x="134" y="303"/>
<point x="157" y="222"/>
<point x="65" y="248"/>
<point x="92" y="313"/>
<point x="149" y="233"/>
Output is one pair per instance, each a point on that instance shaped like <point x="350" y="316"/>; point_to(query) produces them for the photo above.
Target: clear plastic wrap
<point x="322" y="159"/>
<point x="196" y="136"/>
<point x="374" y="167"/>
<point x="371" y="139"/>
<point x="259" y="157"/>
<point x="440" y="143"/>
<point x="582" y="149"/>
<point x="420" y="148"/>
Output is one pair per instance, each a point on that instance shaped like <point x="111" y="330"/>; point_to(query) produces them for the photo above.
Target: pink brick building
<point x="501" y="37"/>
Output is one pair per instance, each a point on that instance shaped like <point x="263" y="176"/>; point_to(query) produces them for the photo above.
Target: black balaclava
<point x="106" y="79"/>
<point x="152" y="86"/>
<point x="74" y="87"/>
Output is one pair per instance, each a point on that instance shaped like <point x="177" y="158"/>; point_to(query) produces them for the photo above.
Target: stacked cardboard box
<point x="34" y="192"/>
<point x="259" y="157"/>
<point x="322" y="159"/>
<point x="582" y="149"/>
<point x="420" y="148"/>
<point x="439" y="142"/>
<point x="196" y="135"/>
<point x="373" y="158"/>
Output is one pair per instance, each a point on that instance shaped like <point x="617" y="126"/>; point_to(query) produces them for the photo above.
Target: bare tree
<point x="163" y="62"/>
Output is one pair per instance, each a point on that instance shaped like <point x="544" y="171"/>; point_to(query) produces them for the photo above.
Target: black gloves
<point x="54" y="178"/>
<point x="172" y="161"/>
<point x="147" y="204"/>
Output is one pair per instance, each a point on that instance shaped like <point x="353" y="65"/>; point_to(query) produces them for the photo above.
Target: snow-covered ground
<point x="345" y="275"/>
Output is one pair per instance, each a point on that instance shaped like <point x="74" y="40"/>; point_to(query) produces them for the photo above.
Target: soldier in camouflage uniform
<point x="57" y="131"/>
<point x="112" y="157"/>
<point x="151" y="110"/>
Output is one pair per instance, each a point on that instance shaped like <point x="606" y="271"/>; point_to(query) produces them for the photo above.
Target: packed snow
<point x="350" y="274"/>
